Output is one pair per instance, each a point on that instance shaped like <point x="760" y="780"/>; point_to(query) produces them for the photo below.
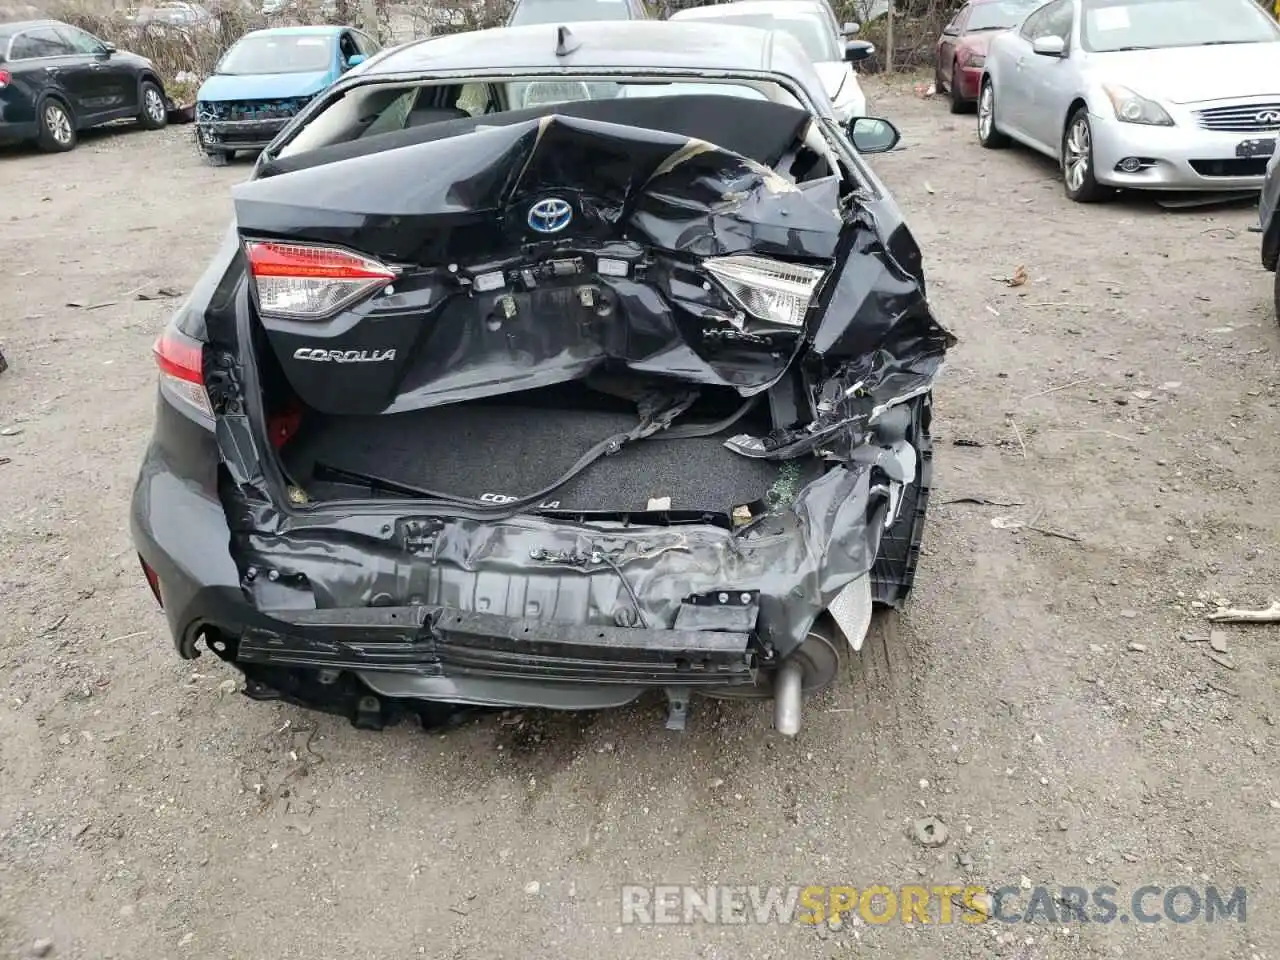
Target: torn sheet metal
<point x="868" y="356"/>
<point x="487" y="304"/>
<point x="798" y="559"/>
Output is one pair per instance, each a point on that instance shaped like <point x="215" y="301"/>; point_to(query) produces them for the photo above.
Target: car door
<point x="365" y="44"/>
<point x="115" y="78"/>
<point x="347" y="49"/>
<point x="62" y="71"/>
<point x="1013" y="103"/>
<point x="1047" y="81"/>
<point x="947" y="42"/>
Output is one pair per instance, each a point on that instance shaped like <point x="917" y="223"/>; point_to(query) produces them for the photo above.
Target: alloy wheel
<point x="985" y="111"/>
<point x="154" y="105"/>
<point x="1076" y="162"/>
<point x="58" y="123"/>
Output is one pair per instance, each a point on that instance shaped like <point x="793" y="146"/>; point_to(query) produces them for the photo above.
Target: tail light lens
<point x="298" y="281"/>
<point x="767" y="289"/>
<point x="181" y="362"/>
<point x="5" y="77"/>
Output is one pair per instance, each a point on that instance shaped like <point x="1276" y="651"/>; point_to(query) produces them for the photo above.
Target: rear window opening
<point x="372" y="112"/>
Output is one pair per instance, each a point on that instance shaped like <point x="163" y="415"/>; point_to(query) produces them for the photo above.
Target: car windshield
<point x="568" y="11"/>
<point x="814" y="35"/>
<point x="277" y="53"/>
<point x="1113" y="25"/>
<point x="999" y="15"/>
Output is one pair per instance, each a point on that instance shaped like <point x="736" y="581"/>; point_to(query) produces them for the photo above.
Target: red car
<point x="962" y="48"/>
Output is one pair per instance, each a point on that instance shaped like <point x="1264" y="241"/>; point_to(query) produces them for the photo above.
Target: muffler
<point x="787" y="696"/>
<point x="809" y="669"/>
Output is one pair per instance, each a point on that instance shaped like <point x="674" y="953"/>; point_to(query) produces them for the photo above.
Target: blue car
<point x="265" y="78"/>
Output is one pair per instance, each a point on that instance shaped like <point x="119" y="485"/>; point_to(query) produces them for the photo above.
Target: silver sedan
<point x="1139" y="94"/>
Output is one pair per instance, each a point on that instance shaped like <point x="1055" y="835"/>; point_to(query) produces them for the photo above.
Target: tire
<point x="988" y="134"/>
<point x="957" y="104"/>
<point x="57" y="128"/>
<point x="1077" y="161"/>
<point x="217" y="158"/>
<point x="152" y="113"/>
<point x="1276" y="294"/>
<point x="894" y="572"/>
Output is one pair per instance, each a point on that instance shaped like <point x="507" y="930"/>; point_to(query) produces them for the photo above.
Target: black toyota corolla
<point x="549" y="380"/>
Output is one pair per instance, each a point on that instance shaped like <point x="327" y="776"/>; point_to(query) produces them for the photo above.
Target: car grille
<point x="1241" y="118"/>
<point x="1242" y="167"/>
<point x="210" y="112"/>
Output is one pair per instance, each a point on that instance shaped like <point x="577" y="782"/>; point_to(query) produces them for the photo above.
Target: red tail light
<point x="301" y="281"/>
<point x="153" y="580"/>
<point x="181" y="362"/>
<point x="5" y="77"/>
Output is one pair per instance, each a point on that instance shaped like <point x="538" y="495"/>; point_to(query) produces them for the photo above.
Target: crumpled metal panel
<point x="798" y="561"/>
<point x="663" y="202"/>
<point x="872" y="345"/>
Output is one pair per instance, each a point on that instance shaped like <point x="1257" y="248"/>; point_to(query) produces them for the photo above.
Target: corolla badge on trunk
<point x="550" y="215"/>
<point x="343" y="356"/>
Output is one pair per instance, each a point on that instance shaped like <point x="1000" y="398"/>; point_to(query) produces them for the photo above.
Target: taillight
<point x="181" y="362"/>
<point x="302" y="281"/>
<point x="5" y="77"/>
<point x="153" y="580"/>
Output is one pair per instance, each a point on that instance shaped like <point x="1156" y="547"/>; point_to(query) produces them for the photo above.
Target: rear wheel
<point x="1077" y="161"/>
<point x="988" y="135"/>
<point x="957" y="104"/>
<point x="217" y="158"/>
<point x="57" y="130"/>
<point x="154" y="114"/>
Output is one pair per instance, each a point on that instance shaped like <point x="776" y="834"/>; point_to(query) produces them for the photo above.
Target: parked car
<point x="191" y="16"/>
<point x="56" y="80"/>
<point x="548" y="406"/>
<point x="832" y="56"/>
<point x="962" y="49"/>
<point x="266" y="78"/>
<point x="526" y="12"/>
<point x="1141" y="94"/>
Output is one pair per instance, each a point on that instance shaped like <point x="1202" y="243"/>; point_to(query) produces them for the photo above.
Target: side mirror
<point x="356" y="59"/>
<point x="1049" y="46"/>
<point x="950" y="31"/>
<point x="850" y="29"/>
<point x="872" y="135"/>
<point x="108" y="48"/>
<point x="856" y="51"/>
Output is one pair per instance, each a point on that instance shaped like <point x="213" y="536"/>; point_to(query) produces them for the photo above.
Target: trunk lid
<point x="533" y="252"/>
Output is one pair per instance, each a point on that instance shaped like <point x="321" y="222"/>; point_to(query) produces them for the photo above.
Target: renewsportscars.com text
<point x="940" y="904"/>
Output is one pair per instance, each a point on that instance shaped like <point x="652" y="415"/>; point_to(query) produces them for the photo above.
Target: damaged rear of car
<point x="547" y="406"/>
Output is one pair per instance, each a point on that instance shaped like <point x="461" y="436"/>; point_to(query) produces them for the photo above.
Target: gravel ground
<point x="1036" y="696"/>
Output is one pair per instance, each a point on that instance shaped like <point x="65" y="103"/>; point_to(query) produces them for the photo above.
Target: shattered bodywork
<point x="439" y="596"/>
<point x="244" y="124"/>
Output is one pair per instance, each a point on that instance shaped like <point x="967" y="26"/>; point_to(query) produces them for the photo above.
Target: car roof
<point x="9" y="29"/>
<point x="325" y="30"/>
<point x="609" y="44"/>
<point x="776" y="8"/>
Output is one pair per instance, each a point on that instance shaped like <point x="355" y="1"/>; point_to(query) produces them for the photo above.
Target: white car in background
<point x="813" y="25"/>
<point x="1139" y="94"/>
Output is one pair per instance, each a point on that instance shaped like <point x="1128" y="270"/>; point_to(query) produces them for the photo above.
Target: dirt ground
<point x="1036" y="697"/>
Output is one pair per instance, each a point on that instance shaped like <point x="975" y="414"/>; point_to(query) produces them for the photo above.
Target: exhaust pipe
<point x="787" y="698"/>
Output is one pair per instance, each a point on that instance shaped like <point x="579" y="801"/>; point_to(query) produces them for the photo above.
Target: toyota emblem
<point x="550" y="215"/>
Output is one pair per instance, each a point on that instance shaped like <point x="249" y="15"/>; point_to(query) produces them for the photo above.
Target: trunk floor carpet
<point x="473" y="449"/>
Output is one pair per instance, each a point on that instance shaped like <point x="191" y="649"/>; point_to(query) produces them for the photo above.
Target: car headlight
<point x="1131" y="108"/>
<point x="975" y="60"/>
<point x="767" y="289"/>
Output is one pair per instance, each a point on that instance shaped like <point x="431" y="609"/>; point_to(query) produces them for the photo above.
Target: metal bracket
<point x="677" y="708"/>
